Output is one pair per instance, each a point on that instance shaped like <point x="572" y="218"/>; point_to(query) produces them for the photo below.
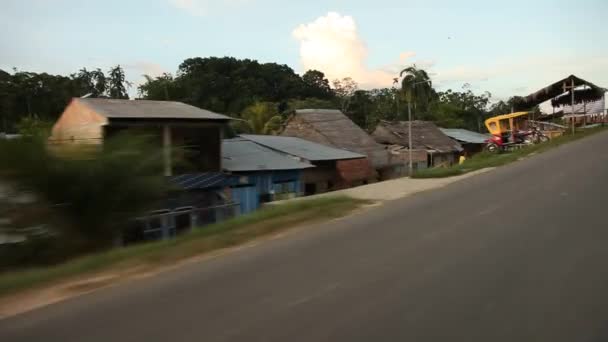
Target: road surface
<point x="516" y="254"/>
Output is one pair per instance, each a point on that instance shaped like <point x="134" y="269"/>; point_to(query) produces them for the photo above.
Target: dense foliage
<point x="253" y="91"/>
<point x="43" y="96"/>
<point x="70" y="204"/>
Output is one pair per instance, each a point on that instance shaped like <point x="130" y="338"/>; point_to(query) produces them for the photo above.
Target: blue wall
<point x="251" y="186"/>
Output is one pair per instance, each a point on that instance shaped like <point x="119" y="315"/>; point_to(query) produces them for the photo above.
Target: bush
<point x="84" y="199"/>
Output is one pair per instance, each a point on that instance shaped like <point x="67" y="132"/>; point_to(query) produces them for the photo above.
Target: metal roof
<point x="240" y="154"/>
<point x="465" y="136"/>
<point x="9" y="136"/>
<point x="146" y="109"/>
<point x="302" y="148"/>
<point x="204" y="180"/>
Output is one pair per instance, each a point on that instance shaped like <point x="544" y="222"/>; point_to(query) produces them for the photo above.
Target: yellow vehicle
<point x="512" y="129"/>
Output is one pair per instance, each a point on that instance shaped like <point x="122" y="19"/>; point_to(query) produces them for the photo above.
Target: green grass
<point x="486" y="159"/>
<point x="221" y="235"/>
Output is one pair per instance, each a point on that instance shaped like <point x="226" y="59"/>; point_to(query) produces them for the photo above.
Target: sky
<point x="505" y="47"/>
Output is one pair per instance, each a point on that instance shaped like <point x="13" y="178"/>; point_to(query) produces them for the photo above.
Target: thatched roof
<point x="333" y="128"/>
<point x="556" y="89"/>
<point x="425" y="136"/>
<point x="580" y="96"/>
<point x="4" y="75"/>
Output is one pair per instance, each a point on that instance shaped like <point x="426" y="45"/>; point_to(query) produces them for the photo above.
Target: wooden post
<point x="167" y="150"/>
<point x="572" y="104"/>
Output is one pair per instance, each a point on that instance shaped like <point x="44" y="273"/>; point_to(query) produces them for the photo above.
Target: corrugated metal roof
<point x="9" y="136"/>
<point x="465" y="136"/>
<point x="146" y="109"/>
<point x="244" y="155"/>
<point x="204" y="180"/>
<point x="302" y="148"/>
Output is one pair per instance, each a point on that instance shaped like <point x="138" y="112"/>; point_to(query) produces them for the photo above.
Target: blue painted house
<point x="260" y="174"/>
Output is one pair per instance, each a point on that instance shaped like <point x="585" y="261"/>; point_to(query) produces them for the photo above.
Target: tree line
<point x="27" y="96"/>
<point x="261" y="94"/>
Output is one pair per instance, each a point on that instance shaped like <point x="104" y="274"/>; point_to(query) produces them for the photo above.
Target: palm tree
<point x="262" y="118"/>
<point x="416" y="86"/>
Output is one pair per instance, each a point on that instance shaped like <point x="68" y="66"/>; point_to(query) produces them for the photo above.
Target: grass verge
<point x="486" y="159"/>
<point x="209" y="238"/>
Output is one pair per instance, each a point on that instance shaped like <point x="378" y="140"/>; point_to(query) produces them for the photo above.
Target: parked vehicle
<point x="511" y="130"/>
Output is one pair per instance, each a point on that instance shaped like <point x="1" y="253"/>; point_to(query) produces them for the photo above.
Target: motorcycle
<point x="505" y="141"/>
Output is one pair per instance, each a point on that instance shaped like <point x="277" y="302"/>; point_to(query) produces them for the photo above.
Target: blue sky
<point x="505" y="47"/>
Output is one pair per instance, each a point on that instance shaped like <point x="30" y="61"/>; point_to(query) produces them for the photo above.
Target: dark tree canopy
<point x="316" y="85"/>
<point x="229" y="85"/>
<point x="43" y="96"/>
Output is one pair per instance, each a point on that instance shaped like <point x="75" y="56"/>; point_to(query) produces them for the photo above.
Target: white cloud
<point x="332" y="45"/>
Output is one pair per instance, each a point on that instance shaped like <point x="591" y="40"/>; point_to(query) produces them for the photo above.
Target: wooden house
<point x="429" y="145"/>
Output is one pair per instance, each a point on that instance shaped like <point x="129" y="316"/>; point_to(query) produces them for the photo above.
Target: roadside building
<point x="430" y="147"/>
<point x="333" y="128"/>
<point x="334" y="168"/>
<point x="576" y="101"/>
<point x="471" y="142"/>
<point x="260" y="174"/>
<point x="182" y="133"/>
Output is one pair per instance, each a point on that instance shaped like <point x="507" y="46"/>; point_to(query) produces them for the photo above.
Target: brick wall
<point x="355" y="170"/>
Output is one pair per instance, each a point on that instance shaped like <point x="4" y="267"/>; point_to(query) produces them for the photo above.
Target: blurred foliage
<point x="83" y="201"/>
<point x="262" y="117"/>
<point x="44" y="96"/>
<point x="33" y="126"/>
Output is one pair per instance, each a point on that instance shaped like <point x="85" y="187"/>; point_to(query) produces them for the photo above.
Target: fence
<point x="164" y="224"/>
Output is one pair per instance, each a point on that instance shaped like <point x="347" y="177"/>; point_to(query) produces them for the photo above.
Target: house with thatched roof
<point x="427" y="140"/>
<point x="333" y="128"/>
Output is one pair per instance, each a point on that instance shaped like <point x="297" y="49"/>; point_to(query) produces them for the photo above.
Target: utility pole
<point x="409" y="135"/>
<point x="409" y="125"/>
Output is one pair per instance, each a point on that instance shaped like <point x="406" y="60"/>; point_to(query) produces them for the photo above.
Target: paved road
<point x="517" y="254"/>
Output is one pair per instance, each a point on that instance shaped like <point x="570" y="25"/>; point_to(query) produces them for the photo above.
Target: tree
<point x="262" y="118"/>
<point x="92" y="82"/>
<point x="360" y="108"/>
<point x="416" y="88"/>
<point x="85" y="200"/>
<point x="117" y="84"/>
<point x="228" y="85"/>
<point x="28" y="94"/>
<point x="316" y="85"/>
<point x="344" y="90"/>
<point x="471" y="108"/>
<point x="162" y="87"/>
